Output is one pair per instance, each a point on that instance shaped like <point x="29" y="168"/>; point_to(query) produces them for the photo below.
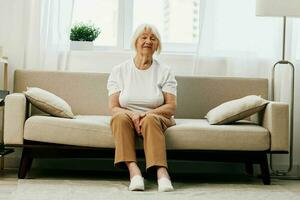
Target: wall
<point x="96" y="61"/>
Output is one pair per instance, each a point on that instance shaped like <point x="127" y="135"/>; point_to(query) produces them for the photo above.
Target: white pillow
<point x="236" y="109"/>
<point x="48" y="102"/>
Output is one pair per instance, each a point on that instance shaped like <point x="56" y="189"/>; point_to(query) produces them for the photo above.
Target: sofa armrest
<point x="276" y="120"/>
<point x="14" y="118"/>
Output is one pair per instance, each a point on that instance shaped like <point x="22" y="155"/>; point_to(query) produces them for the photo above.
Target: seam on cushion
<point x="48" y="124"/>
<point x="235" y="132"/>
<point x="263" y="130"/>
<point x="106" y="132"/>
<point x="227" y="133"/>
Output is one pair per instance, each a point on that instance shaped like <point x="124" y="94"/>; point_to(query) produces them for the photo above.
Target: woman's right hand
<point x="136" y="118"/>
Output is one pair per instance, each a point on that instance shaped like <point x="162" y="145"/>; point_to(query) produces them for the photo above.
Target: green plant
<point x="84" y="32"/>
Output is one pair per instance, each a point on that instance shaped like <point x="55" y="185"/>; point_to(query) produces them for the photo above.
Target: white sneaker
<point x="137" y="183"/>
<point x="164" y="185"/>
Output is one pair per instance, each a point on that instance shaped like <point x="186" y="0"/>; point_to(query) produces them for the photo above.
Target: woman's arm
<point x="115" y="108"/>
<point x="114" y="105"/>
<point x="168" y="109"/>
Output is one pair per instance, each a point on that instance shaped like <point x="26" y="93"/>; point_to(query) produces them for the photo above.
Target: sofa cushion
<point x="94" y="131"/>
<point x="48" y="102"/>
<point x="235" y="110"/>
<point x="199" y="134"/>
<point x="82" y="130"/>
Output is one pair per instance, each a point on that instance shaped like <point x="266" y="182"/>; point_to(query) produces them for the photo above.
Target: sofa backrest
<point x="197" y="95"/>
<point x="87" y="94"/>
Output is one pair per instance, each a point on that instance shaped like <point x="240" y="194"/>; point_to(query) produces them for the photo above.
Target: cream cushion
<point x="48" y="102"/>
<point x="236" y="109"/>
<point x="94" y="131"/>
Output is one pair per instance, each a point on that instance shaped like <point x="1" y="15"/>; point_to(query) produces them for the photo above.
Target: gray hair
<point x="140" y="29"/>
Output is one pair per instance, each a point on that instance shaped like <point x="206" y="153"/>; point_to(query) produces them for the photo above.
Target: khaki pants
<point x="152" y="129"/>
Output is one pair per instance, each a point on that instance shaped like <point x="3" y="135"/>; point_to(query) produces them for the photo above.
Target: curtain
<point x="234" y="37"/>
<point x="48" y="38"/>
<point x="35" y="33"/>
<point x="235" y="42"/>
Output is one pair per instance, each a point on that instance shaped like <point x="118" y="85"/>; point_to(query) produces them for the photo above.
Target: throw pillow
<point x="236" y="110"/>
<point x="48" y="102"/>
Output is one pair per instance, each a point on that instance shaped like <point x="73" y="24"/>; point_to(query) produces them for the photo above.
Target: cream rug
<point x="46" y="189"/>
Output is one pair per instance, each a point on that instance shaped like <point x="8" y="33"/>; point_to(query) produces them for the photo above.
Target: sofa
<point x="88" y="135"/>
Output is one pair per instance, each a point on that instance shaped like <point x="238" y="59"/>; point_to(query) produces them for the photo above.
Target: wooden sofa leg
<point x="25" y="164"/>
<point x="249" y="168"/>
<point x="264" y="168"/>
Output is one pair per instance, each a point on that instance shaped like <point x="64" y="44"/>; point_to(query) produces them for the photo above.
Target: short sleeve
<point x="114" y="81"/>
<point x="169" y="84"/>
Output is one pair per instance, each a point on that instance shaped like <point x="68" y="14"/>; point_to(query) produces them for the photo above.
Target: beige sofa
<point x="89" y="134"/>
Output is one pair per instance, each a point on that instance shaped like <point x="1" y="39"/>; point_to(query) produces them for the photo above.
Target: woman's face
<point x="147" y="43"/>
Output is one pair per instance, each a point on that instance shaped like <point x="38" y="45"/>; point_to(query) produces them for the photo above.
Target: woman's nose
<point x="148" y="40"/>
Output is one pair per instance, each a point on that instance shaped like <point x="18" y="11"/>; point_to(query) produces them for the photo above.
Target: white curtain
<point x="235" y="42"/>
<point x="233" y="38"/>
<point x="35" y="33"/>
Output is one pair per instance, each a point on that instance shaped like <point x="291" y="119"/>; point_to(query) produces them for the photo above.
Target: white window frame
<point x="125" y="23"/>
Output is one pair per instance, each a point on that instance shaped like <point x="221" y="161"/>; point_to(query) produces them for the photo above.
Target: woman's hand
<point x="137" y="119"/>
<point x="142" y="117"/>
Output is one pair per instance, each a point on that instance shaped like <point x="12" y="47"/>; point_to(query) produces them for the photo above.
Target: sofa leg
<point x="249" y="168"/>
<point x="264" y="168"/>
<point x="25" y="164"/>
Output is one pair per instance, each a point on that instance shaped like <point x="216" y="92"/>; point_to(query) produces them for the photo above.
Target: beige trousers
<point x="152" y="129"/>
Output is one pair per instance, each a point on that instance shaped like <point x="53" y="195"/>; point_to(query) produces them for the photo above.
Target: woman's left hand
<point x="142" y="117"/>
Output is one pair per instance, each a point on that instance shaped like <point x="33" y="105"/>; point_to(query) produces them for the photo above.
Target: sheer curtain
<point x="48" y="34"/>
<point x="234" y="41"/>
<point x="35" y="33"/>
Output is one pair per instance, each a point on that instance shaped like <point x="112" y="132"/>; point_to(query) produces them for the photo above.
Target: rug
<point x="37" y="189"/>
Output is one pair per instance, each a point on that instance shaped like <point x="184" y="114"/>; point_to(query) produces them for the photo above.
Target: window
<point x="176" y="20"/>
<point x="102" y="13"/>
<point x="246" y="33"/>
<point x="296" y="38"/>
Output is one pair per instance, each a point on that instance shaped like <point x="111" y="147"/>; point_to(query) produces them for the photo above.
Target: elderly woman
<point x="142" y="100"/>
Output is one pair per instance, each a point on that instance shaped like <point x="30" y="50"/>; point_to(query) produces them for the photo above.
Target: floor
<point x="9" y="183"/>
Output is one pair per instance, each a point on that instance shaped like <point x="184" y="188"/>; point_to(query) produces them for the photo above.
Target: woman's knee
<point x="150" y="119"/>
<point x="120" y="119"/>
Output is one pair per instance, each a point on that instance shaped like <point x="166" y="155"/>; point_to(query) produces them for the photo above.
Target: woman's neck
<point x="143" y="61"/>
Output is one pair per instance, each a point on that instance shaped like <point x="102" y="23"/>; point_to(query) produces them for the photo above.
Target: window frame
<point x="124" y="33"/>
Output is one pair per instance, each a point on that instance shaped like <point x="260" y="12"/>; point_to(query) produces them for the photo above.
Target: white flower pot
<point x="81" y="45"/>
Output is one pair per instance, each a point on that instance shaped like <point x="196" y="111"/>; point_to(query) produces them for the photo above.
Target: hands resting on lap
<point x="138" y="119"/>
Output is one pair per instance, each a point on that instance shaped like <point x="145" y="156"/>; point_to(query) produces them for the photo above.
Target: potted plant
<point x="82" y="36"/>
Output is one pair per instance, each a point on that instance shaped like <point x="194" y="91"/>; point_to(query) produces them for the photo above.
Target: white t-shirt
<point x="141" y="90"/>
